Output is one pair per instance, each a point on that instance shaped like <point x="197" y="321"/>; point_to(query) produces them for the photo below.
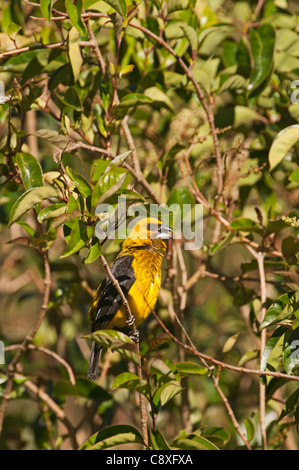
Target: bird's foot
<point x="134" y="336"/>
<point x="130" y="321"/>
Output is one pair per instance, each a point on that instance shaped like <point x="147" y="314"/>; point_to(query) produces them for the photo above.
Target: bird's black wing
<point x="108" y="300"/>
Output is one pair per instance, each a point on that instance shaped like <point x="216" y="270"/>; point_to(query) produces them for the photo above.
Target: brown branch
<point x="31" y="48"/>
<point x="224" y="365"/>
<point x="262" y="387"/>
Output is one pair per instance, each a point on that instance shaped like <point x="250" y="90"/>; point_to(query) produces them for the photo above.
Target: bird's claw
<point x="134" y="336"/>
<point x="130" y="321"/>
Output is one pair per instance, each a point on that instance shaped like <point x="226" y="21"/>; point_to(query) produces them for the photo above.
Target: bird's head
<point x="149" y="232"/>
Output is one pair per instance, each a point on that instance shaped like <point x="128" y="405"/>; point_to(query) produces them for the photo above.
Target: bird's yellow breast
<point x="144" y="292"/>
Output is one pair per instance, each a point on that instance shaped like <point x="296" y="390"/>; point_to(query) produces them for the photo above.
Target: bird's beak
<point x="165" y="232"/>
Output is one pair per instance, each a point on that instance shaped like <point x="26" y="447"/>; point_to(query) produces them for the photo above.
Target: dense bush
<point x="160" y="102"/>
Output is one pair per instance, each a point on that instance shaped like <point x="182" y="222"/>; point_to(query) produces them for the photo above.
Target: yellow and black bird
<point x="137" y="269"/>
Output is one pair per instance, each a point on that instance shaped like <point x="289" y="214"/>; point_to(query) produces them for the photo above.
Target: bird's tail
<point x="95" y="355"/>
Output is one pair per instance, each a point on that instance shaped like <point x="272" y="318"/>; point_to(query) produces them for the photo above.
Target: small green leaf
<point x="113" y="436"/>
<point x="112" y="180"/>
<point x="126" y="70"/>
<point x="169" y="391"/>
<point x="193" y="442"/>
<point x="229" y="343"/>
<point x="124" y="378"/>
<point x="53" y="210"/>
<point x="272" y="342"/>
<point x="248" y="356"/>
<point x="158" y="440"/>
<point x="64" y="218"/>
<point x="54" y="138"/>
<point x="94" y="251"/>
<point x="157" y="95"/>
<point x="78" y="238"/>
<point x="74" y="11"/>
<point x="134" y="99"/>
<point x="119" y="6"/>
<point x="191" y="35"/>
<point x="281" y="309"/>
<point x="250" y="429"/>
<point x="29" y="199"/>
<point x="282" y="143"/>
<point x="189" y="368"/>
<point x="262" y="41"/>
<point x="46" y="7"/>
<point x="79" y="180"/>
<point x="30" y="169"/>
<point x="295" y="175"/>
<point x="244" y="224"/>
<point x="74" y="52"/>
<point x="291" y="353"/>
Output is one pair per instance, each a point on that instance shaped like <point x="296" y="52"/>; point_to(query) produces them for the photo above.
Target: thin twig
<point x="262" y="388"/>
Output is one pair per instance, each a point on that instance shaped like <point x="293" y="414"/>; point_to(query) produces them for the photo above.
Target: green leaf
<point x="134" y="99"/>
<point x="94" y="251"/>
<point x="229" y="343"/>
<point x="124" y="378"/>
<point x="116" y="340"/>
<point x="54" y="138"/>
<point x="295" y="175"/>
<point x="215" y="434"/>
<point x="113" y="436"/>
<point x="270" y="346"/>
<point x="282" y="143"/>
<point x="27" y="100"/>
<point x="112" y="180"/>
<point x="74" y="11"/>
<point x="248" y="356"/>
<point x="175" y="5"/>
<point x="51" y="211"/>
<point x="290" y="404"/>
<point x="189" y="368"/>
<point x="250" y="429"/>
<point x="168" y="391"/>
<point x="29" y="199"/>
<point x="30" y="169"/>
<point x="193" y="442"/>
<point x="158" y="440"/>
<point x="281" y="309"/>
<point x="218" y="246"/>
<point x="262" y="41"/>
<point x="64" y="218"/>
<point x="74" y="52"/>
<point x="191" y="35"/>
<point x="291" y="353"/>
<point x="80" y="182"/>
<point x="78" y="238"/>
<point x="119" y="6"/>
<point x="244" y="224"/>
<point x="46" y="6"/>
<point x="157" y="95"/>
<point x="132" y="382"/>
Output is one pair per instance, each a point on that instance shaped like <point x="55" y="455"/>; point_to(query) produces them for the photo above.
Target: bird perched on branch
<point x="137" y="270"/>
